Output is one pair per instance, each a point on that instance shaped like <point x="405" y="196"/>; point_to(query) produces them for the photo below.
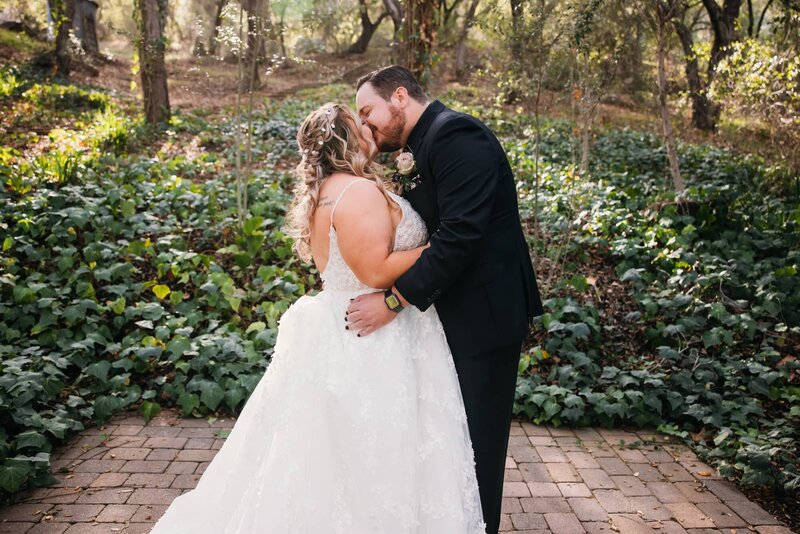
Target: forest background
<point x="147" y="155"/>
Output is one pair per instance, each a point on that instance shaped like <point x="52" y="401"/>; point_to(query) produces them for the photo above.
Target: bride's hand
<point x="368" y="313"/>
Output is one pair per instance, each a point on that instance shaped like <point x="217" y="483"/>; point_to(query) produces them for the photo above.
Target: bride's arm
<point x="364" y="232"/>
<point x="394" y="266"/>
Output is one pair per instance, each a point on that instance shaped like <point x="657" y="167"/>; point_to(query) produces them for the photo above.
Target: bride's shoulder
<point x="337" y="183"/>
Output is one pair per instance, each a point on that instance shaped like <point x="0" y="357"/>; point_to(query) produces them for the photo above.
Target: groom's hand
<point x="367" y="313"/>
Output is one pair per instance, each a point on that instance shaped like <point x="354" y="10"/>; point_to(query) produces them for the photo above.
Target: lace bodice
<point x="410" y="233"/>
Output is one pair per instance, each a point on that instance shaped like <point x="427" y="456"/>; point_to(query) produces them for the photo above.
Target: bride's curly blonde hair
<point x="328" y="141"/>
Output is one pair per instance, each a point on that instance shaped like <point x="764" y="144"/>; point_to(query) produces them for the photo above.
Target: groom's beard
<point x="392" y="138"/>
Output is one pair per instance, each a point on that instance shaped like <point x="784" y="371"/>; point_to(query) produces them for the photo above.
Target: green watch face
<point x="392" y="301"/>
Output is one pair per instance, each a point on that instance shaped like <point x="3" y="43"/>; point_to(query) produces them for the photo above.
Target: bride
<point x="345" y="434"/>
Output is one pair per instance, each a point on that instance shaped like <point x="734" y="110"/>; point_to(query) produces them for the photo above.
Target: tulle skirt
<point x="343" y="435"/>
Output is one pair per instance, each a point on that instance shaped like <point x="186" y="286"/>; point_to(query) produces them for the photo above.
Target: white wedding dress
<point x="344" y="435"/>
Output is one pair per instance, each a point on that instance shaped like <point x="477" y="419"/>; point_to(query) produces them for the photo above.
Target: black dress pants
<point x="488" y="382"/>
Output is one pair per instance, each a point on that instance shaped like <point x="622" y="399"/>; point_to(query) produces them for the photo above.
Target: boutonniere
<point x="406" y="176"/>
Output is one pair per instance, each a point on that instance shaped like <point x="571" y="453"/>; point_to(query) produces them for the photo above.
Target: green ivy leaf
<point x="579" y="330"/>
<point x="23" y="294"/>
<point x="128" y="208"/>
<point x="161" y="291"/>
<point x="724" y="434"/>
<point x="149" y="410"/>
<point x="712" y="338"/>
<point x="234" y="303"/>
<point x="31" y="438"/>
<point x="118" y="305"/>
<point x="188" y="402"/>
<point x="12" y="477"/>
<point x="105" y="406"/>
<point x="99" y="370"/>
<point x="176" y="297"/>
<point x="211" y="394"/>
<point x="257" y="326"/>
<point x="551" y="408"/>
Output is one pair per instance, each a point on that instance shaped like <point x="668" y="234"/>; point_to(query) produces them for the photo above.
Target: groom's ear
<point x="400" y="96"/>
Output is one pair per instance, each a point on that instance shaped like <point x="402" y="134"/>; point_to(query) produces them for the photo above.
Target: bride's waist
<point x="342" y="292"/>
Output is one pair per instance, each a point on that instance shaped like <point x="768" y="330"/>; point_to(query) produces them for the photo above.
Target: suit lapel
<point x="423" y="197"/>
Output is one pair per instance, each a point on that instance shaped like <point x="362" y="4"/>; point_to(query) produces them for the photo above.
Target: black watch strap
<point x="392" y="301"/>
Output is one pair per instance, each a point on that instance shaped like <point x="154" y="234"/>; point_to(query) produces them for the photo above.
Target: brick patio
<point x="120" y="478"/>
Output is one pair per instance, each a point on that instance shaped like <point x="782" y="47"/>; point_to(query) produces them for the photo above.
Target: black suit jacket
<point x="478" y="269"/>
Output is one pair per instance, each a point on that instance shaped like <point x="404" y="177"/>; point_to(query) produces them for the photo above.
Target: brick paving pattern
<point x="120" y="478"/>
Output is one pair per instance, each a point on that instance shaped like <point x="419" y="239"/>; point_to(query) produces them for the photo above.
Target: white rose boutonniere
<point x="406" y="176"/>
<point x="405" y="163"/>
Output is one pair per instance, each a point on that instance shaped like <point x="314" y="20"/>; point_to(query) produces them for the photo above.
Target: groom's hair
<point x="386" y="79"/>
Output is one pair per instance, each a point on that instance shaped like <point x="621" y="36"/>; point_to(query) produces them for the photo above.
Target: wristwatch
<point x="391" y="300"/>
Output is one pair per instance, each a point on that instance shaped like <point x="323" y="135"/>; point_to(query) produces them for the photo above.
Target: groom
<point x="477" y="270"/>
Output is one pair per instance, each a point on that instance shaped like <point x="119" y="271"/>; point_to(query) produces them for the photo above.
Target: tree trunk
<point x="266" y="36"/>
<point x="85" y="25"/>
<point x="587" y="103"/>
<point x="396" y="13"/>
<point x="517" y="48"/>
<point x="723" y="24"/>
<point x="367" y="29"/>
<point x="637" y="61"/>
<point x="151" y="58"/>
<point x="50" y="31"/>
<point x="705" y="113"/>
<point x="517" y="15"/>
<point x="665" y="13"/>
<point x="64" y="11"/>
<point x="419" y="36"/>
<point x="447" y="11"/>
<point x="217" y="22"/>
<point x="251" y="79"/>
<point x="282" y="41"/>
<point x="761" y="18"/>
<point x="461" y="47"/>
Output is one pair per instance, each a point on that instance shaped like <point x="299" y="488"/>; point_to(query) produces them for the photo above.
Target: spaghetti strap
<point x="342" y="194"/>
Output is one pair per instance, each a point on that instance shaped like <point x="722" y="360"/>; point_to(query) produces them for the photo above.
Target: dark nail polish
<point x="359" y="335"/>
<point x="347" y="328"/>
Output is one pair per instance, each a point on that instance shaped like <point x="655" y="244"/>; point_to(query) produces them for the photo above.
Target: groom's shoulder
<point x="449" y="120"/>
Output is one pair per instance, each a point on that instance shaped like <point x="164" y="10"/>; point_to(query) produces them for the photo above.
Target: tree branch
<point x="714" y="14"/>
<point x="761" y="18"/>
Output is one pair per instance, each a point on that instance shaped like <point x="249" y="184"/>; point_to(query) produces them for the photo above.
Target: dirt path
<point x="211" y="84"/>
